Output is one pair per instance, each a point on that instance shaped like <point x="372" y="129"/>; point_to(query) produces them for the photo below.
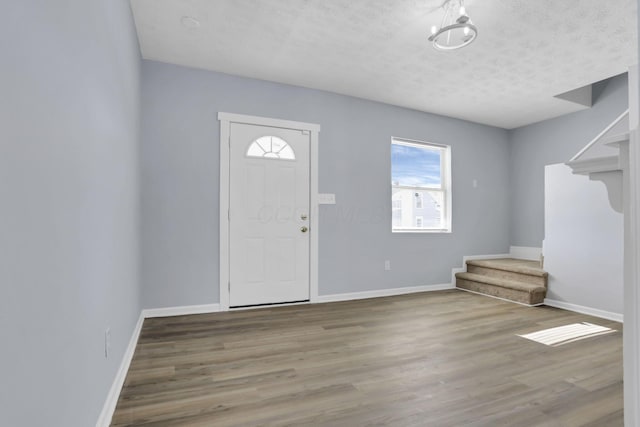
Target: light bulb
<point x="466" y="31"/>
<point x="434" y="29"/>
<point x="463" y="11"/>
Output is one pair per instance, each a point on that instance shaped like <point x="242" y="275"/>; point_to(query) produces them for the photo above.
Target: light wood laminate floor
<point x="446" y="358"/>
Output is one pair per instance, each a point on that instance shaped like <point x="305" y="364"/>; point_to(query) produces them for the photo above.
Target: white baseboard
<point x="525" y="252"/>
<point x="275" y="305"/>
<point x="104" y="420"/>
<point x="381" y="293"/>
<point x="616" y="317"/>
<point x="180" y="311"/>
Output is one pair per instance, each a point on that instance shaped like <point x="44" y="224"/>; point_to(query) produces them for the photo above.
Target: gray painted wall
<point x="554" y="141"/>
<point x="180" y="169"/>
<point x="69" y="125"/>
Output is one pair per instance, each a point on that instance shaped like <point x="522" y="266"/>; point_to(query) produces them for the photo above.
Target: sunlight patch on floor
<point x="567" y="334"/>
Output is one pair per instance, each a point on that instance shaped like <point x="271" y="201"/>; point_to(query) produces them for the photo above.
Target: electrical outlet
<point x="387" y="265"/>
<point x="107" y="343"/>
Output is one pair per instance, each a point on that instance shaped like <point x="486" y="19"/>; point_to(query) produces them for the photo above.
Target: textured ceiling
<point x="526" y="51"/>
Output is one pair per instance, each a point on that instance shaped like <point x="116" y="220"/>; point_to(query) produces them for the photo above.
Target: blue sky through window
<point x="415" y="166"/>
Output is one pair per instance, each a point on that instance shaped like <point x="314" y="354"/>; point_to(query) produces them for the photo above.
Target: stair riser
<point x="510" y="275"/>
<point x="497" y="291"/>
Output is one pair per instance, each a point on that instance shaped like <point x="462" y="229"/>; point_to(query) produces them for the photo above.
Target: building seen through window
<point x="420" y="190"/>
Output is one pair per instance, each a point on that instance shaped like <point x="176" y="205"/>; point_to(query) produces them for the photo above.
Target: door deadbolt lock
<point x="303" y="216"/>
<point x="304" y="229"/>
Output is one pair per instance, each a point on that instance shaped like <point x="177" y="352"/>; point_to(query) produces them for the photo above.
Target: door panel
<point x="269" y="196"/>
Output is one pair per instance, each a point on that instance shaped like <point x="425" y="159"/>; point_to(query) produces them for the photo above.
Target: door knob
<point x="304" y="229"/>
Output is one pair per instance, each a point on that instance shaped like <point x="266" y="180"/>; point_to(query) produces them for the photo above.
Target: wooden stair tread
<point x="512" y="265"/>
<point x="503" y="283"/>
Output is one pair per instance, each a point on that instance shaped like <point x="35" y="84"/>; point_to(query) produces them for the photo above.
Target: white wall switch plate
<point x="326" y="199"/>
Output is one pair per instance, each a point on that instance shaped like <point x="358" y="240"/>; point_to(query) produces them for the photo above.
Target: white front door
<point x="268" y="215"/>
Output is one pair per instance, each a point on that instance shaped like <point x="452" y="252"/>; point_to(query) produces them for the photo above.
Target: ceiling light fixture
<point x="456" y="29"/>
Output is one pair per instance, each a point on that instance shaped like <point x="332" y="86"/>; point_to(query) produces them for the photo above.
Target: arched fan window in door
<point x="271" y="147"/>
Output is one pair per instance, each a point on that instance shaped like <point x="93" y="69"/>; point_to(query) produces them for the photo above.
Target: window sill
<point x="417" y="230"/>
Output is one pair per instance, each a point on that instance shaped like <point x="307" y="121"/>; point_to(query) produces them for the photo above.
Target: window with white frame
<point x="420" y="186"/>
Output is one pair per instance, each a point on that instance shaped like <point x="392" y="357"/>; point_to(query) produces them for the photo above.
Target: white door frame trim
<point x="631" y="341"/>
<point x="225" y="125"/>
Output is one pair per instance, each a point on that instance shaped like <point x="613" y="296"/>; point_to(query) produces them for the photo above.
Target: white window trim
<point x="446" y="186"/>
<point x="225" y="125"/>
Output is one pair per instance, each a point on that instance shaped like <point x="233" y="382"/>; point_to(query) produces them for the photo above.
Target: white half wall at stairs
<point x="584" y="239"/>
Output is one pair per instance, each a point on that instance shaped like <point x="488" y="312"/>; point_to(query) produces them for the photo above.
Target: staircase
<point x="512" y="279"/>
<point x="606" y="152"/>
